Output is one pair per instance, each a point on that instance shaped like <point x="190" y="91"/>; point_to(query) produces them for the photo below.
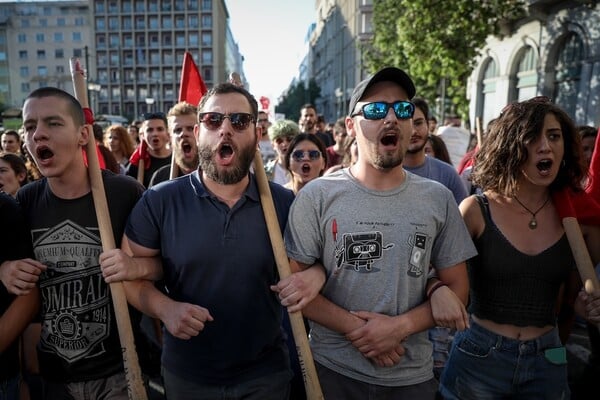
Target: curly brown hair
<point x="498" y="163"/>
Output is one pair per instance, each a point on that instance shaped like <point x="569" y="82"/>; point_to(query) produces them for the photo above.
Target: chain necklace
<point x="533" y="222"/>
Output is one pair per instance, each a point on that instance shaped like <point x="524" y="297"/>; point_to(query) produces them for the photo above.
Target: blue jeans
<point x="9" y="389"/>
<point x="484" y="365"/>
<point x="269" y="387"/>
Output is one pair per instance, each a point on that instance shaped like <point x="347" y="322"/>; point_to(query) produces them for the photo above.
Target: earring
<point x="563" y="163"/>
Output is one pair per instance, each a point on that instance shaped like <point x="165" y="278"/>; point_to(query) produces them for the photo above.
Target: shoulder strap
<point x="484" y="205"/>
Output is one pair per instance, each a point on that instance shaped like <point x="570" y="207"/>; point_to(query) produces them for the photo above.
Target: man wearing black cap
<point x="377" y="228"/>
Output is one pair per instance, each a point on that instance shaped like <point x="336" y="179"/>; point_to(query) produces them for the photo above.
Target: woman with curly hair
<point x="524" y="268"/>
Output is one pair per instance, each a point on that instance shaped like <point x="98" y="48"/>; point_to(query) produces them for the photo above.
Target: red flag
<point x="192" y="86"/>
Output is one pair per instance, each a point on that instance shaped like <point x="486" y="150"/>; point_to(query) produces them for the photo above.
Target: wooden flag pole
<point x="309" y="372"/>
<point x="135" y="384"/>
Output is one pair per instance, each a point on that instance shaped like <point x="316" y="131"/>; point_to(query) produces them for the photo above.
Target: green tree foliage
<point x="435" y="39"/>
<point x="296" y="97"/>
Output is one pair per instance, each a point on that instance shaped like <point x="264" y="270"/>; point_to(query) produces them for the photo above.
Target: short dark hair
<point x="74" y="106"/>
<point x="422" y="105"/>
<point x="224" y="88"/>
<point x="12" y="132"/>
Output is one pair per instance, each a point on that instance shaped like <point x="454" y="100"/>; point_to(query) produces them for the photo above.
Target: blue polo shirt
<point x="219" y="258"/>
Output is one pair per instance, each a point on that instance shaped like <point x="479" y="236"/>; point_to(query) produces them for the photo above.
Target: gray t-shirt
<point x="443" y="173"/>
<point x="376" y="247"/>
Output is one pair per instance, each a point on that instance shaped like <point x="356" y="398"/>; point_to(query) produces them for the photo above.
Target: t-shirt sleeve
<point x="144" y="221"/>
<point x="302" y="234"/>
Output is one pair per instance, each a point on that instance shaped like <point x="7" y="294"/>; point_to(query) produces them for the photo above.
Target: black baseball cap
<point x="391" y="74"/>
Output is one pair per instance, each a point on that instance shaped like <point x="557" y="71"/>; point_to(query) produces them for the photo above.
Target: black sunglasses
<point x="298" y="155"/>
<point x="155" y="115"/>
<point x="214" y="120"/>
<point x="379" y="109"/>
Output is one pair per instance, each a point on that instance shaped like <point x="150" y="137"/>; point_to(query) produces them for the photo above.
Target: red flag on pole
<point x="192" y="86"/>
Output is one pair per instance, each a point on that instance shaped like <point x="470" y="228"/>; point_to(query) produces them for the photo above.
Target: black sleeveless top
<point x="510" y="287"/>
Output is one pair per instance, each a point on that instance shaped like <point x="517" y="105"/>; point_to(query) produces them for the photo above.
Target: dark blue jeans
<point x="483" y="365"/>
<point x="269" y="387"/>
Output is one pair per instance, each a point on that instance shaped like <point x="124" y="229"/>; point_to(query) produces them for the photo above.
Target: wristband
<point x="435" y="287"/>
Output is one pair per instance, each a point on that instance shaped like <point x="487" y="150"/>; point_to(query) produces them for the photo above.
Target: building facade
<point x="335" y="56"/>
<point x="132" y="49"/>
<point x="37" y="39"/>
<point x="139" y="45"/>
<point x="553" y="52"/>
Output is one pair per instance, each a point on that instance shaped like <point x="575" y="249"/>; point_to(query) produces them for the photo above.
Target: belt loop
<point x="498" y="344"/>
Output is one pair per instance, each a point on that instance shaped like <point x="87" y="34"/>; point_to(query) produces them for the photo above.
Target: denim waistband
<point x="548" y="340"/>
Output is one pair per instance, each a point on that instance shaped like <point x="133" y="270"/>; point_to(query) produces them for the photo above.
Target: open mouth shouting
<point x="544" y="166"/>
<point x="43" y="154"/>
<point x="389" y="139"/>
<point x="225" y="154"/>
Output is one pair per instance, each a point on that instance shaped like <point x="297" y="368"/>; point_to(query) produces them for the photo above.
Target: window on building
<point x="60" y="69"/>
<point x="77" y="52"/>
<point x="60" y="22"/>
<point x="140" y="6"/>
<point x="488" y="91"/>
<point x="179" y="22"/>
<point x="47" y="11"/>
<point x="154" y="40"/>
<point x="114" y="40"/>
<point x="206" y="21"/>
<point x="180" y="40"/>
<point x="41" y="54"/>
<point x="207" y="73"/>
<point x="526" y="76"/>
<point x="99" y="6"/>
<point x="100" y="24"/>
<point x="24" y="23"/>
<point x="207" y="39"/>
<point x="43" y="22"/>
<point x="140" y="22"/>
<point x="24" y="72"/>
<point x="22" y="38"/>
<point x="113" y="7"/>
<point x="192" y="5"/>
<point x="59" y="53"/>
<point x="167" y="22"/>
<point x="22" y="54"/>
<point x="42" y="70"/>
<point x="25" y="87"/>
<point x="207" y="57"/>
<point x="193" y="39"/>
<point x="179" y="5"/>
<point x="113" y="23"/>
<point x="101" y="41"/>
<point x="58" y="37"/>
<point x="193" y="22"/>
<point x="76" y="36"/>
<point x="126" y="23"/>
<point x="206" y="5"/>
<point x="79" y="21"/>
<point x="153" y="22"/>
<point x="126" y="5"/>
<point x="567" y="73"/>
<point x="39" y="37"/>
<point x="127" y="40"/>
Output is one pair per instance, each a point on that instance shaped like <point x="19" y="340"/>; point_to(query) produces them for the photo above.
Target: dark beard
<point x="183" y="163"/>
<point x="245" y="156"/>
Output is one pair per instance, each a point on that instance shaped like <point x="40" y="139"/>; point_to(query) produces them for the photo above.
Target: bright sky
<point x="270" y="35"/>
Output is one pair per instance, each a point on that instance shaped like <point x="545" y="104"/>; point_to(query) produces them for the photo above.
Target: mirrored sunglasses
<point x="379" y="109"/>
<point x="214" y="120"/>
<point x="298" y="155"/>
